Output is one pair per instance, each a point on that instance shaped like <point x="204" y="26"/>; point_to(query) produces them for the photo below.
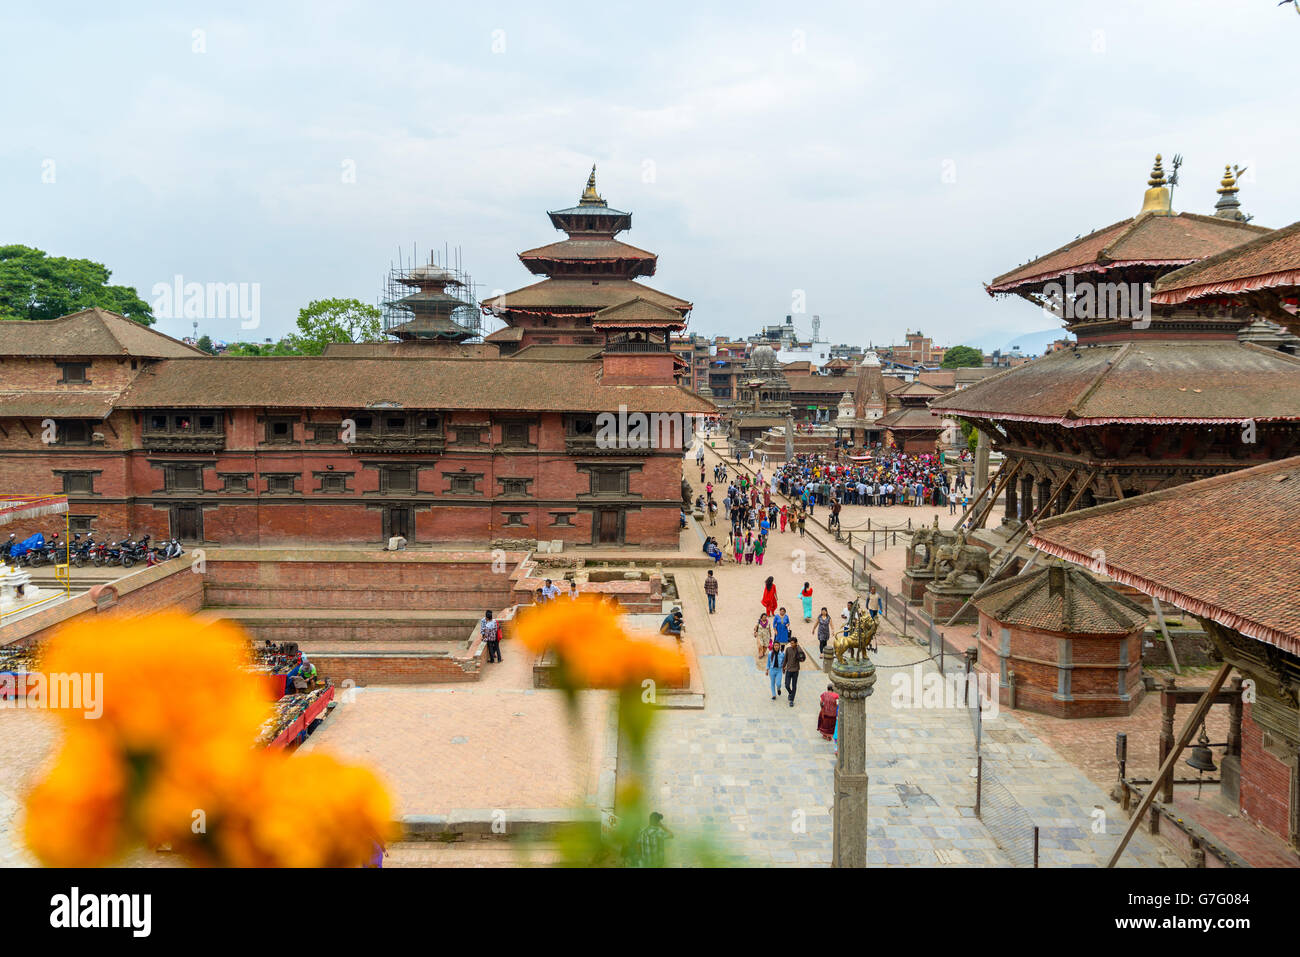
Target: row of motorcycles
<point x="36" y="551"/>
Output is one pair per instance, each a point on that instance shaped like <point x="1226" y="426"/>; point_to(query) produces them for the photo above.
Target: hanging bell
<point x="1202" y="758"/>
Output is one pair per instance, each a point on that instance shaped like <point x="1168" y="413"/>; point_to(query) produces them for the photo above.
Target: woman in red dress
<point x="827" y="713"/>
<point x="785" y="517"/>
<point x="769" y="596"/>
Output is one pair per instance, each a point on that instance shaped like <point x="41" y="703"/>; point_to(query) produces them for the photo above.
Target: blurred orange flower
<point x="171" y="758"/>
<point x="592" y="645"/>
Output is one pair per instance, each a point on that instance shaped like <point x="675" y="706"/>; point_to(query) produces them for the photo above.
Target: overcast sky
<point x="884" y="159"/>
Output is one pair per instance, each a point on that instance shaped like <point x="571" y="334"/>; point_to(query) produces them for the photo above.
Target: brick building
<point x="147" y="435"/>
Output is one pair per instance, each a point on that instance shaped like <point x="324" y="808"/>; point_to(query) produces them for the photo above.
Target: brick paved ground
<point x="754" y="776"/>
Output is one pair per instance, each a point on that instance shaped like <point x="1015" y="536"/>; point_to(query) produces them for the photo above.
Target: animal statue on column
<point x="860" y="638"/>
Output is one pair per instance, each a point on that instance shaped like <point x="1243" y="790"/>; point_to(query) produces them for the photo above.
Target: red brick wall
<point x="129" y="497"/>
<point x="1265" y="781"/>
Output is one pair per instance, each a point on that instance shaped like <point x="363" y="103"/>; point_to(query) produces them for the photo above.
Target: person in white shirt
<point x="573" y="591"/>
<point x="551" y="591"/>
<point x="490" y="629"/>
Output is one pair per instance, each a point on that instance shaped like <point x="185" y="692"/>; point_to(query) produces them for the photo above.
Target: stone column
<point x="981" y="464"/>
<point x="789" y="437"/>
<point x="853" y="681"/>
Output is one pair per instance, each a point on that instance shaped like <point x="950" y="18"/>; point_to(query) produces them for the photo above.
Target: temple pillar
<point x="853" y="681"/>
<point x="981" y="464"/>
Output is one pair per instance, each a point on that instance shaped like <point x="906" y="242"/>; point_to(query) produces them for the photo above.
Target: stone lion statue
<point x="960" y="559"/>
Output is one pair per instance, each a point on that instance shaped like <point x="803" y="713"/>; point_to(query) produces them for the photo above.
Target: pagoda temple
<point x="1154" y="393"/>
<point x="434" y="309"/>
<point x="590" y="296"/>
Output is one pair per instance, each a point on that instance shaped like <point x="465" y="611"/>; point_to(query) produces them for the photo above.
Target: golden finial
<point x="589" y="195"/>
<point x="1157" y="174"/>
<point x="1229" y="182"/>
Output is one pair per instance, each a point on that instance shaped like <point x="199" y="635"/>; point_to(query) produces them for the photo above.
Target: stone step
<point x="471" y="854"/>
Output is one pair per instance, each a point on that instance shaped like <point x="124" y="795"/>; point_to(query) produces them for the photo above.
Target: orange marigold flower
<point x="166" y="679"/>
<point x="593" y="648"/>
<point x="307" y="811"/>
<point x="76" y="816"/>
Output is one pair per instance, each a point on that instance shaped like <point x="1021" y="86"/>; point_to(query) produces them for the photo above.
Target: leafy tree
<point x="34" y="285"/>
<point x="971" y="433"/>
<point x="324" y="321"/>
<point x="959" y="357"/>
<point x="285" y="347"/>
<point x="205" y="343"/>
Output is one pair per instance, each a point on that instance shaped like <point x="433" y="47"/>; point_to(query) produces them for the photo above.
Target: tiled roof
<point x="62" y="404"/>
<point x="1270" y="261"/>
<point x="915" y="388"/>
<point x="941" y="381"/>
<point x="1225" y="548"/>
<point x="1153" y="381"/>
<point x="548" y="352"/>
<point x="829" y="384"/>
<point x="412" y="349"/>
<point x="319" y="382"/>
<point x="588" y="250"/>
<point x="88" y="333"/>
<point x="640" y="312"/>
<point x="1148" y="239"/>
<point x="581" y="295"/>
<point x="1078" y="604"/>
<point x="910" y="418"/>
<point x="508" y="334"/>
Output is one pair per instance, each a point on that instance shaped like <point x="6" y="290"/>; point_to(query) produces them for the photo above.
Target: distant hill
<point x="1030" y="343"/>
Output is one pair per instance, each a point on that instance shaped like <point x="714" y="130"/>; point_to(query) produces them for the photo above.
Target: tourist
<point x="650" y="842"/>
<point x="875" y="602"/>
<point x="823" y="630"/>
<point x="711" y="590"/>
<point x="673" y="624"/>
<point x="763" y="637"/>
<point x="829" y="713"/>
<point x="781" y="626"/>
<point x="713" y="512"/>
<point x="806" y="597"/>
<point x="490" y="629"/>
<point x="794" y="656"/>
<point x="552" y="590"/>
<point x="775" y="668"/>
<point x="769" y="595"/>
<point x="800" y="522"/>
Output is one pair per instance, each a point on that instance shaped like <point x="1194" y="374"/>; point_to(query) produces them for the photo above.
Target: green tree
<point x="285" y="347"/>
<point x="34" y="285"/>
<point x="324" y="321"/>
<point x="205" y="343"/>
<point x="959" y="357"/>
<point x="971" y="433"/>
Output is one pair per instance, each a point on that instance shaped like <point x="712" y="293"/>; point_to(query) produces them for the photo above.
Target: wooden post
<point x="1169" y="644"/>
<point x="1167" y="766"/>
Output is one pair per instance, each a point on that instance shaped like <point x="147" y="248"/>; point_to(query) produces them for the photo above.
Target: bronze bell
<point x="1202" y="758"/>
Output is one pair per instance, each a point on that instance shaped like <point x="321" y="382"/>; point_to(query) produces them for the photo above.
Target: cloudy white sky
<point x="886" y="159"/>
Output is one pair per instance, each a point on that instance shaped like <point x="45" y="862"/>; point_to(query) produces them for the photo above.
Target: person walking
<point x="749" y="548"/>
<point x="780" y="626"/>
<point x="794" y="655"/>
<point x="713" y="512"/>
<point x="800" y="522"/>
<point x="875" y="602"/>
<point x="760" y="548"/>
<point x="823" y="630"/>
<point x="806" y="597"/>
<point x="490" y="629"/>
<point x="775" y="668"/>
<point x="828" y="713"/>
<point x="769" y="595"/>
<point x="763" y="638"/>
<point x="785" y="517"/>
<point x="711" y="590"/>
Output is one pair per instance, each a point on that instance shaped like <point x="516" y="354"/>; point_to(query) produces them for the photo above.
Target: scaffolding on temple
<point x="431" y="301"/>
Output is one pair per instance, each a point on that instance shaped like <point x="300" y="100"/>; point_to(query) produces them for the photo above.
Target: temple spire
<point x="1157" y="199"/>
<point x="1228" y="206"/>
<point x="589" y="195"/>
